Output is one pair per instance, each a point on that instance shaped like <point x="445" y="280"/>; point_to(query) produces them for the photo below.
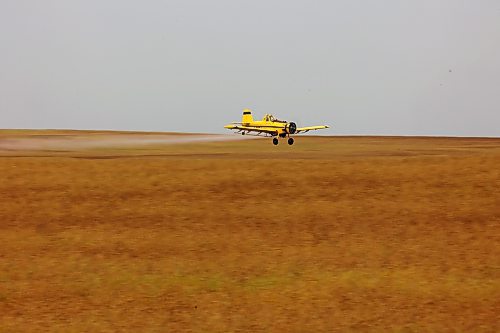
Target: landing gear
<point x="276" y="141"/>
<point x="242" y="133"/>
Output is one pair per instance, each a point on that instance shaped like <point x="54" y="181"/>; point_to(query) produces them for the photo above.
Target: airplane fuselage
<point x="281" y="128"/>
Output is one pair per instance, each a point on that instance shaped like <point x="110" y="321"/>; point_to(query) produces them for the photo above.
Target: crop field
<point x="163" y="234"/>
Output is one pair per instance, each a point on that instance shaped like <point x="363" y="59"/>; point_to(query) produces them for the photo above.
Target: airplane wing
<point x="251" y="129"/>
<point x="310" y="128"/>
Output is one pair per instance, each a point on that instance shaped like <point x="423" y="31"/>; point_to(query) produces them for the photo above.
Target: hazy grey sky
<point x="364" y="67"/>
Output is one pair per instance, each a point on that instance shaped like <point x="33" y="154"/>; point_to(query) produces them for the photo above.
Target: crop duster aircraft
<point x="269" y="126"/>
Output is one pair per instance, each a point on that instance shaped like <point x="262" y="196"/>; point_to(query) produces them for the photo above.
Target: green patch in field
<point x="267" y="282"/>
<point x="196" y="283"/>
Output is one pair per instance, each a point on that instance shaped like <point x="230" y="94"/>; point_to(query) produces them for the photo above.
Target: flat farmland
<point x="166" y="233"/>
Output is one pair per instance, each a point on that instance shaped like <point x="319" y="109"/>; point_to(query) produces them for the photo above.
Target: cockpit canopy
<point x="270" y="117"/>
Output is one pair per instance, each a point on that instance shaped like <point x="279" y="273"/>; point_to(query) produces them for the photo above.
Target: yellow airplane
<point x="269" y="126"/>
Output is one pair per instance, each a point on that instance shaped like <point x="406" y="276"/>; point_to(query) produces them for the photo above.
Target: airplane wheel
<point x="242" y="133"/>
<point x="290" y="141"/>
<point x="275" y="141"/>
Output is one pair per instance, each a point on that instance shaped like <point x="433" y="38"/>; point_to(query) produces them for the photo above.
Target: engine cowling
<point x="291" y="128"/>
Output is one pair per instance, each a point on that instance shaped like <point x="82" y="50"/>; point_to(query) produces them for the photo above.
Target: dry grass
<point x="334" y="234"/>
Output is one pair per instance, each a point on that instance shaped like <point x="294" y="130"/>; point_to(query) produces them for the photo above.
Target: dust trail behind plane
<point x="77" y="140"/>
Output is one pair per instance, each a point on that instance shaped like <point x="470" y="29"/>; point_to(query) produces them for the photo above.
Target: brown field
<point x="347" y="234"/>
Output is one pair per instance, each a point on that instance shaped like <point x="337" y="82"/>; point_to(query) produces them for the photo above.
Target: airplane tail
<point x="247" y="116"/>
